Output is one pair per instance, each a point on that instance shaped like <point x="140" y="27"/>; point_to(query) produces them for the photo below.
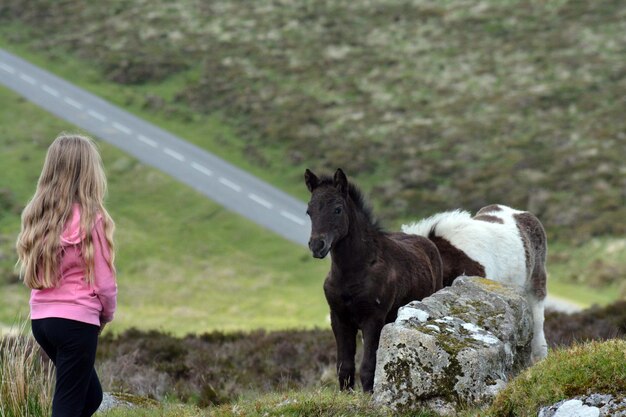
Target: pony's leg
<point x="539" y="345"/>
<point x="371" y="337"/>
<point x="536" y="247"/>
<point x="536" y="298"/>
<point x="345" y="339"/>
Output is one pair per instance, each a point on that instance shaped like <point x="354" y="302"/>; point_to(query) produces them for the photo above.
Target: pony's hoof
<point x="539" y="354"/>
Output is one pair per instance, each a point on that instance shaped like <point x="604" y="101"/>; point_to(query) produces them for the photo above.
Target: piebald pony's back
<point x="496" y="245"/>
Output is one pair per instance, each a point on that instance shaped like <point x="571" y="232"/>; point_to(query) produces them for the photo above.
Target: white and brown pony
<point x="499" y="243"/>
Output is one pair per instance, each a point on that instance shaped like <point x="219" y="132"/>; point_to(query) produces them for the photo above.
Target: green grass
<point x="594" y="367"/>
<point x="589" y="273"/>
<point x="582" y="295"/>
<point x="164" y="410"/>
<point x="184" y="263"/>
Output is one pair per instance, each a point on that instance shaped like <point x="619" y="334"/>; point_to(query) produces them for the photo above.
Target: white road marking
<point x="7" y="68"/>
<point x="97" y="115"/>
<point x="147" y="141"/>
<point x="229" y="184"/>
<point x="292" y="217"/>
<point x="73" y="103"/>
<point x="28" y="79"/>
<point x="260" y="201"/>
<point x="206" y="171"/>
<point x="173" y="154"/>
<point x="50" y="90"/>
<point x="122" y="128"/>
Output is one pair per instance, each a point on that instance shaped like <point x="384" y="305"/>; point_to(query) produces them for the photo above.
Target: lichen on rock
<point x="458" y="346"/>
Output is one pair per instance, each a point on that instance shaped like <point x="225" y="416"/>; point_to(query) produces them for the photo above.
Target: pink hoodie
<point x="73" y="298"/>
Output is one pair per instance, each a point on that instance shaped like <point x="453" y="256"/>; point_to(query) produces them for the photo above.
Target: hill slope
<point x="451" y="104"/>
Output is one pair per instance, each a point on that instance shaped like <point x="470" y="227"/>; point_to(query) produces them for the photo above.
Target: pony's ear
<point x="311" y="180"/>
<point x="341" y="182"/>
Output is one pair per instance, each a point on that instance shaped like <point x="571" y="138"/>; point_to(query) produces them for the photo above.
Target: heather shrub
<point x="216" y="367"/>
<point x="595" y="323"/>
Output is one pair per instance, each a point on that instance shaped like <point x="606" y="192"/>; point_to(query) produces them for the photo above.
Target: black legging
<point x="71" y="345"/>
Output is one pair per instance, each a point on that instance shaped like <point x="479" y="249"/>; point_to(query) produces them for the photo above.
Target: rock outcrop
<point x="459" y="346"/>
<point x="112" y="400"/>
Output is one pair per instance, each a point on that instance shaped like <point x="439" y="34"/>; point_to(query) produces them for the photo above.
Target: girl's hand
<point x="102" y="328"/>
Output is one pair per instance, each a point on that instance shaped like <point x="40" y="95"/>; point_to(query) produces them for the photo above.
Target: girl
<point x="66" y="254"/>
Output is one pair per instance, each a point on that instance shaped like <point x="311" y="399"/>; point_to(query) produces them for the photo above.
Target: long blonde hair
<point x="72" y="173"/>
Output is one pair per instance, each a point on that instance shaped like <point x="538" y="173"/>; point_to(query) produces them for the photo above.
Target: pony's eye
<point x="308" y="213"/>
<point x="338" y="210"/>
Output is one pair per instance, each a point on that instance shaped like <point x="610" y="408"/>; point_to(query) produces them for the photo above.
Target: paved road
<point x="220" y="181"/>
<point x="562" y="305"/>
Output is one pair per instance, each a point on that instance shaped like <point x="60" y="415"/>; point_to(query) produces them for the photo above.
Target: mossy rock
<point x="458" y="347"/>
<point x="123" y="399"/>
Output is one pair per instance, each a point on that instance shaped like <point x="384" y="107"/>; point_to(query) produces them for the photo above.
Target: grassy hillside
<point x="185" y="264"/>
<point x="450" y="104"/>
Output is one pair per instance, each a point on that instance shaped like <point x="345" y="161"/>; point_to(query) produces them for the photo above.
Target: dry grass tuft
<point x="26" y="381"/>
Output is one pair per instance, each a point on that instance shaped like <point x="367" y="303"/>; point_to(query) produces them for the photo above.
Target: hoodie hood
<point x="71" y="233"/>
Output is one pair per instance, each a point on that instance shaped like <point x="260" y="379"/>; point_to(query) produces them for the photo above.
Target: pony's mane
<point x="357" y="198"/>
<point x="438" y="224"/>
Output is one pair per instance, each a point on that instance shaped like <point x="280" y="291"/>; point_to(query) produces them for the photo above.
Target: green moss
<point x="452" y="345"/>
<point x="471" y="311"/>
<point x="398" y="373"/>
<point x="489" y="282"/>
<point x="482" y="320"/>
<point x="495" y="286"/>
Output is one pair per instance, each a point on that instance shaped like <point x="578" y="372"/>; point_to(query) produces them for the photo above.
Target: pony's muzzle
<point x="319" y="246"/>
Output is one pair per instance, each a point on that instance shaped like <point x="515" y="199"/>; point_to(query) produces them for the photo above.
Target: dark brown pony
<point x="372" y="274"/>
